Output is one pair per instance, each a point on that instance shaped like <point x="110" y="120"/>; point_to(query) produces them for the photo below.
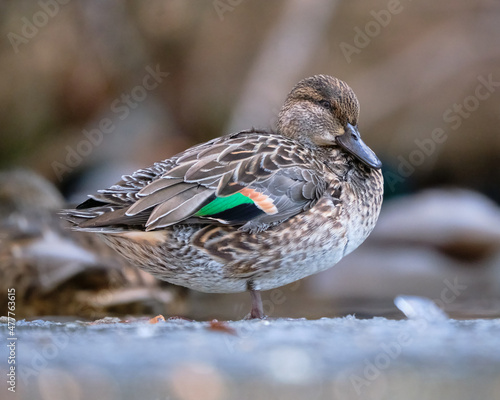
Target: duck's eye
<point x="325" y="104"/>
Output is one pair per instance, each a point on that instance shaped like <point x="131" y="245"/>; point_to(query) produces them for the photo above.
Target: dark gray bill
<point x="352" y="143"/>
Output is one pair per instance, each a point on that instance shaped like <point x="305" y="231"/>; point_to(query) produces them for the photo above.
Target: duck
<point x="252" y="210"/>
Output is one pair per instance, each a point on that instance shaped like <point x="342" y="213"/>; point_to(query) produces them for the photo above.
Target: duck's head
<point x="323" y="111"/>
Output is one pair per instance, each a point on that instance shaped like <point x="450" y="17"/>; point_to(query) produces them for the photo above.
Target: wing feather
<point x="178" y="208"/>
<point x="158" y="184"/>
<point x="158" y="197"/>
<point x="284" y="176"/>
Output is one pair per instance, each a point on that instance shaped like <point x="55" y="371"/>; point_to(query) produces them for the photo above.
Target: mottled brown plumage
<point x="253" y="210"/>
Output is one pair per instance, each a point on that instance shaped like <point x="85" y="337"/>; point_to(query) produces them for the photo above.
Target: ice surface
<point x="341" y="358"/>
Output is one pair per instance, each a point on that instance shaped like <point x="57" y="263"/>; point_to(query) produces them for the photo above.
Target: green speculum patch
<point x="221" y="204"/>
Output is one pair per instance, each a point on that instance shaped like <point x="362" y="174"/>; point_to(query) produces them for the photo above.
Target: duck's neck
<point x="336" y="160"/>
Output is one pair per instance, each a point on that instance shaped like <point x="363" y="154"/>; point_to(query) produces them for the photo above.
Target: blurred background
<point x="90" y="91"/>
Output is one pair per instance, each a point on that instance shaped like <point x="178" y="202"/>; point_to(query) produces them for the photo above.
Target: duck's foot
<point x="257" y="309"/>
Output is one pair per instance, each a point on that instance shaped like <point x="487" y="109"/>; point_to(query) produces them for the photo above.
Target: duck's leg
<point x="257" y="309"/>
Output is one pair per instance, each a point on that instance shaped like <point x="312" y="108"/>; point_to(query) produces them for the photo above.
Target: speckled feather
<point x="326" y="201"/>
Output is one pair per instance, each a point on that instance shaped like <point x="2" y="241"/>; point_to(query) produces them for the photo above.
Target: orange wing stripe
<point x="265" y="203"/>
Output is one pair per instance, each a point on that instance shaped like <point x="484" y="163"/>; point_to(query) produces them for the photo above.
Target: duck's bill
<point x="352" y="143"/>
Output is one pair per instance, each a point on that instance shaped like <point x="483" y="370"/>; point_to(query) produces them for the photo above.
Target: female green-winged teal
<point x="253" y="210"/>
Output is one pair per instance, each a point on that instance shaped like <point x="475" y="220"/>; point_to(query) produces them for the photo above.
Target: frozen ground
<point x="342" y="358"/>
